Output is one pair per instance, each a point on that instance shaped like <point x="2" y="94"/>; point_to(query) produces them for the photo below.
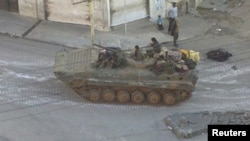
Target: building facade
<point x="106" y="13"/>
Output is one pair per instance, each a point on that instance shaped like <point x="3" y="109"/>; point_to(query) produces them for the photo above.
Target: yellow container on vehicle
<point x="191" y="54"/>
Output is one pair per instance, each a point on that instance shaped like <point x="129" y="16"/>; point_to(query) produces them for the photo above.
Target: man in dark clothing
<point x="104" y="58"/>
<point x="174" y="29"/>
<point x="138" y="55"/>
<point x="156" y="45"/>
<point x="118" y="60"/>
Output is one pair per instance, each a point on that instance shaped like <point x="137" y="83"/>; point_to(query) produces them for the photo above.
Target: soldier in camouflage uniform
<point x="118" y="59"/>
<point x="138" y="55"/>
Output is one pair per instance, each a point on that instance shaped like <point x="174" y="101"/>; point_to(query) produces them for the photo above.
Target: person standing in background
<point x="174" y="31"/>
<point x="171" y="15"/>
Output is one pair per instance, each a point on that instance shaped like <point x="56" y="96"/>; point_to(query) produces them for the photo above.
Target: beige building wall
<point x="198" y="2"/>
<point x="194" y="3"/>
<point x="102" y="15"/>
<point x="124" y="11"/>
<point x="32" y="8"/>
<point x="68" y="11"/>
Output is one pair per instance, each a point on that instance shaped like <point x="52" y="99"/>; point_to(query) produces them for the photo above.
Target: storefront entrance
<point x="9" y="5"/>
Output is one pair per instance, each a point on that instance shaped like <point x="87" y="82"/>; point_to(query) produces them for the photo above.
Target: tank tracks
<point x="132" y="95"/>
<point x="187" y="125"/>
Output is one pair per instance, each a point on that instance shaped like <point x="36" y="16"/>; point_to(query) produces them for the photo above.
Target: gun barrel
<point x="99" y="46"/>
<point x="113" y="49"/>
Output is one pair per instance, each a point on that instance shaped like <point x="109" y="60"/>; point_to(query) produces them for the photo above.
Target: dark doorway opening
<point x="9" y="5"/>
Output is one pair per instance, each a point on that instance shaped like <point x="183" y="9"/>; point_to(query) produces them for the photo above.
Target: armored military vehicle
<point x="151" y="80"/>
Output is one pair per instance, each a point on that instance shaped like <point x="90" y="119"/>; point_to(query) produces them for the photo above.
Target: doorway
<point x="9" y="5"/>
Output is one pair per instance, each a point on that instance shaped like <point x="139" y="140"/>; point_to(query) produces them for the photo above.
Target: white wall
<point x="123" y="11"/>
<point x="157" y="7"/>
<point x="102" y="15"/>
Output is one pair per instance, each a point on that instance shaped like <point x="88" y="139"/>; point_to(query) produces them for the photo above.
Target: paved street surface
<point x="34" y="105"/>
<point x="188" y="125"/>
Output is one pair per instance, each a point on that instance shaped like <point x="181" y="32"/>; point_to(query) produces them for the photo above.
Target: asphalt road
<point x="34" y="105"/>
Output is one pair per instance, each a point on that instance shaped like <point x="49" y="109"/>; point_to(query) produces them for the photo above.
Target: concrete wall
<point x="78" y="12"/>
<point x="69" y="11"/>
<point x="32" y="8"/>
<point x="198" y="2"/>
<point x="102" y="15"/>
<point x="194" y="3"/>
<point x="123" y="11"/>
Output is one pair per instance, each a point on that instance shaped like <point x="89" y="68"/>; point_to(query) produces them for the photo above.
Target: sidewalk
<point x="73" y="35"/>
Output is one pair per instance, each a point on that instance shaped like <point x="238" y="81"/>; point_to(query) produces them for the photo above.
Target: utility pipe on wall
<point x="125" y="17"/>
<point x="92" y="32"/>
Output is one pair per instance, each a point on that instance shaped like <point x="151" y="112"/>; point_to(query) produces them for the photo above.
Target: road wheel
<point x="94" y="95"/>
<point x="108" y="95"/>
<point x="169" y="99"/>
<point x="138" y="97"/>
<point x="153" y="97"/>
<point x="123" y="96"/>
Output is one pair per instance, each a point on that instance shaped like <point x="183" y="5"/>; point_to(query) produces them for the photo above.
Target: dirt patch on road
<point x="219" y="13"/>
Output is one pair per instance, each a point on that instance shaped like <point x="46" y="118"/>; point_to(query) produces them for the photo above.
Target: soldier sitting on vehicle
<point x="104" y="59"/>
<point x="137" y="55"/>
<point x="156" y="45"/>
<point x="118" y="60"/>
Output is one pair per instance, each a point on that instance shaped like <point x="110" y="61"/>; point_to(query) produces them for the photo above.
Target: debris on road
<point x="220" y="55"/>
